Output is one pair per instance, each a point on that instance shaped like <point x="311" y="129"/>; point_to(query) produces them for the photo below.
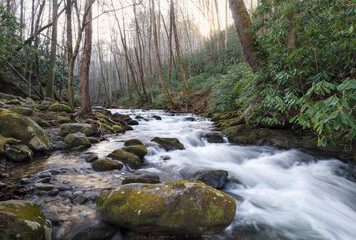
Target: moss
<point x="134" y="141"/>
<point x="4" y="141"/>
<point x="68" y="128"/>
<point x="63" y="119"/>
<point x="129" y="159"/>
<point x="138" y="150"/>
<point x="118" y="129"/>
<point x="22" y="110"/>
<point x="106" y="165"/>
<point x="77" y="141"/>
<point x="169" y="143"/>
<point x="58" y="107"/>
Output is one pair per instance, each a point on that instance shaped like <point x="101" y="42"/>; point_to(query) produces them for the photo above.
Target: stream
<point x="280" y="194"/>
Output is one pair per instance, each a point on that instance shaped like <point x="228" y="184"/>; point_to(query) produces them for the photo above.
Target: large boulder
<point x="138" y="150"/>
<point x="77" y="141"/>
<point x="24" y="129"/>
<point x="169" y="143"/>
<point x="214" y="137"/>
<point x="22" y="110"/>
<point x="214" y="178"/>
<point x="23" y="220"/>
<point x="58" y="107"/>
<point x="129" y="159"/>
<point x="68" y="128"/>
<point x="134" y="141"/>
<point x="18" y="153"/>
<point x="184" y="207"/>
<point x="106" y="165"/>
<point x="100" y="231"/>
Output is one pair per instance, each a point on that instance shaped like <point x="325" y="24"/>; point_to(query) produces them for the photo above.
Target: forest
<point x="80" y="78"/>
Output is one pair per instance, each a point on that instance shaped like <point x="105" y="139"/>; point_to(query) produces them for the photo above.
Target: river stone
<point x="134" y="141"/>
<point x="214" y="178"/>
<point x="44" y="186"/>
<point x="118" y="128"/>
<point x="214" y="137"/>
<point x="156" y="117"/>
<point x="138" y="150"/>
<point x="129" y="180"/>
<point x="169" y="143"/>
<point x="122" y="117"/>
<point x="63" y="119"/>
<point x="93" y="139"/>
<point x="77" y="141"/>
<point x="184" y="207"/>
<point x="92" y="157"/>
<point x="101" y="109"/>
<point x="100" y="231"/>
<point x="132" y="122"/>
<point x="24" y="129"/>
<point x="129" y="159"/>
<point x="18" y="153"/>
<point x="23" y="220"/>
<point x="68" y="128"/>
<point x="106" y="165"/>
<point x="22" y="110"/>
<point x="58" y="107"/>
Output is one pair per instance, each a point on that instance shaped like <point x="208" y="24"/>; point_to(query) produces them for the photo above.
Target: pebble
<point x="44" y="175"/>
<point x="25" y="181"/>
<point x="79" y="200"/>
<point x="45" y="180"/>
<point x="53" y="192"/>
<point x="44" y="186"/>
<point x="91" y="158"/>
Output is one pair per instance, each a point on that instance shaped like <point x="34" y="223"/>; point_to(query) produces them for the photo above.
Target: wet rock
<point x="122" y="117"/>
<point x="178" y="208"/>
<point x="44" y="174"/>
<point x="53" y="192"/>
<point x="22" y="110"/>
<point x="55" y="171"/>
<point x="214" y="178"/>
<point x="100" y="231"/>
<point x="77" y="141"/>
<point x="138" y="150"/>
<point x="134" y="141"/>
<point x="93" y="140"/>
<point x="102" y="110"/>
<point x="24" y="220"/>
<point x="58" y="107"/>
<point x="214" y="137"/>
<point x="106" y="165"/>
<point x="91" y="158"/>
<point x="118" y="129"/>
<point x="68" y="128"/>
<point x="24" y="129"/>
<point x="139" y="117"/>
<point x="190" y="119"/>
<point x="128" y="128"/>
<point x="132" y="122"/>
<point x="79" y="200"/>
<point x="18" y="153"/>
<point x="129" y="180"/>
<point x="129" y="159"/>
<point x="25" y="181"/>
<point x="169" y="143"/>
<point x="44" y="186"/>
<point x="165" y="157"/>
<point x="46" y="180"/>
<point x="156" y="117"/>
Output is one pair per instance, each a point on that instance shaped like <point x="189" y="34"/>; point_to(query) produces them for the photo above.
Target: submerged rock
<point x="169" y="143"/>
<point x="106" y="165"/>
<point x="214" y="178"/>
<point x="138" y="150"/>
<point x="185" y="207"/>
<point x="100" y="231"/>
<point x="23" y="220"/>
<point x="68" y="128"/>
<point x="134" y="141"/>
<point x="58" y="107"/>
<point x="214" y="137"/>
<point x="129" y="159"/>
<point x="77" y="141"/>
<point x="132" y="122"/>
<point x="24" y="129"/>
<point x="156" y="117"/>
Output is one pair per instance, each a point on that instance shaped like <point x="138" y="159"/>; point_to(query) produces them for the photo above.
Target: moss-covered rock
<point x="118" y="129"/>
<point x="23" y="220"/>
<point x="100" y="231"/>
<point x="134" y="141"/>
<point x="24" y="129"/>
<point x="138" y="150"/>
<point x="185" y="207"/>
<point x="106" y="165"/>
<point x="169" y="143"/>
<point x="77" y="141"/>
<point x="93" y="140"/>
<point x="63" y="119"/>
<point x="7" y="96"/>
<point x="129" y="159"/>
<point x="44" y="105"/>
<point x="58" y="107"/>
<point x="68" y="128"/>
<point x="13" y="102"/>
<point x="22" y="110"/>
<point x="18" y="153"/>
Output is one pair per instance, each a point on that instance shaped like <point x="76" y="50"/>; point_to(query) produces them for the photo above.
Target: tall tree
<point x="52" y="62"/>
<point x="85" y="68"/>
<point x="168" y="95"/>
<point x="187" y="91"/>
<point x="242" y="23"/>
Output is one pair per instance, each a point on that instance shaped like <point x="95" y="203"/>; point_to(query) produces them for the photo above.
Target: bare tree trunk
<point x="85" y="68"/>
<point x="158" y="60"/>
<point x="187" y="91"/>
<point x="52" y="63"/>
<point x="70" y="94"/>
<point x="243" y="22"/>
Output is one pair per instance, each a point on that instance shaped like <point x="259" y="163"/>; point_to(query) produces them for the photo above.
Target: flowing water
<point x="280" y="194"/>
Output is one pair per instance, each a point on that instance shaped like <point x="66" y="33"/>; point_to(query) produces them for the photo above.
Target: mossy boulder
<point x="22" y="110"/>
<point x="23" y="220"/>
<point x="77" y="141"/>
<point x="58" y="107"/>
<point x="63" y="119"/>
<point x="138" y="150"/>
<point x="169" y="143"/>
<point x="44" y="105"/>
<point x="18" y="153"/>
<point x="184" y="207"/>
<point x="13" y="102"/>
<point x="118" y="128"/>
<point x="106" y="165"/>
<point x="100" y="231"/>
<point x="129" y="159"/>
<point x="68" y="128"/>
<point x="7" y="96"/>
<point x="24" y="129"/>
<point x="134" y="141"/>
